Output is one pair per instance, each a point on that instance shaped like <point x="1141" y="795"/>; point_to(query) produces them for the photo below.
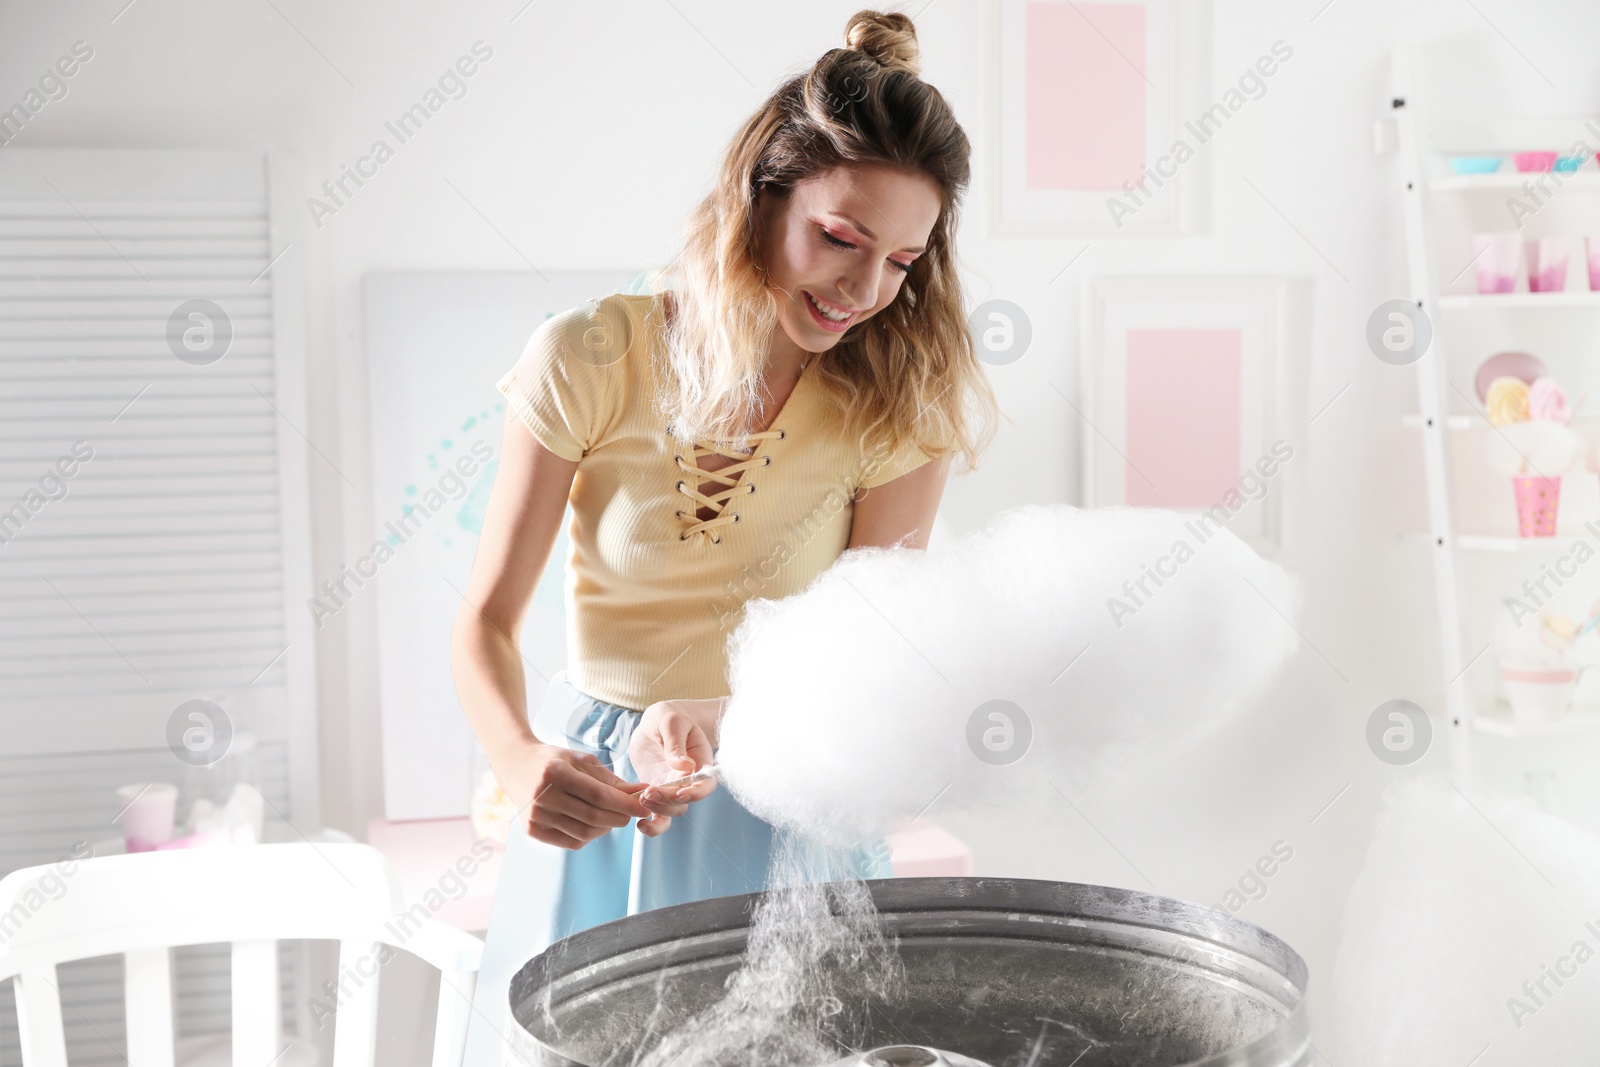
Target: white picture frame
<point x="1177" y="62"/>
<point x="1269" y="315"/>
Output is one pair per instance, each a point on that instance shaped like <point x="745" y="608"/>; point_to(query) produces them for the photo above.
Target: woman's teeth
<point x="827" y="311"/>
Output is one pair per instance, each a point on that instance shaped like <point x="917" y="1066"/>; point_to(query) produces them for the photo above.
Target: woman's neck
<point x="781" y="370"/>
<point x="785" y="359"/>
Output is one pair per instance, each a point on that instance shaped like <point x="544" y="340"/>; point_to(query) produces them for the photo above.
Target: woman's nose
<point x="860" y="288"/>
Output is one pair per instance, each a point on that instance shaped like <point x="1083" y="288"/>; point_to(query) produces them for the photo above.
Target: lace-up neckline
<point x="728" y="478"/>
<point x="732" y="480"/>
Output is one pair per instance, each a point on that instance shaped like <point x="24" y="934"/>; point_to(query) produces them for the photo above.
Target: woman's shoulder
<point x="582" y="373"/>
<point x="603" y="331"/>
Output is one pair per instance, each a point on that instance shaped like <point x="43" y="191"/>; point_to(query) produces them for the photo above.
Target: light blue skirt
<point x="545" y="893"/>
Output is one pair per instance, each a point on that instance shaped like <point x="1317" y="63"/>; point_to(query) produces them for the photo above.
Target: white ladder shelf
<point x="1421" y="141"/>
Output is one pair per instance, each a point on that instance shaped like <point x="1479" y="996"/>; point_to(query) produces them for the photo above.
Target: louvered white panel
<point x="175" y="566"/>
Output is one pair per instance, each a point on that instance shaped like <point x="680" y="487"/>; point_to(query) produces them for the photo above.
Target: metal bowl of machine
<point x="996" y="972"/>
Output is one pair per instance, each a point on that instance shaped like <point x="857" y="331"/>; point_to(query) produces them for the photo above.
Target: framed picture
<point x="1185" y="399"/>
<point x="436" y="344"/>
<point x="1089" y="108"/>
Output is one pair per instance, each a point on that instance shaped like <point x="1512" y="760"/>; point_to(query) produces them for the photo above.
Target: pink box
<point x="441" y="855"/>
<point x="927" y="850"/>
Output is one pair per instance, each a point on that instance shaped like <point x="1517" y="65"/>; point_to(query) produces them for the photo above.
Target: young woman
<point x="798" y="390"/>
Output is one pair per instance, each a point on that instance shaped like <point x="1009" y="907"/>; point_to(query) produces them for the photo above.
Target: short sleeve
<point x="567" y="387"/>
<point x="907" y="459"/>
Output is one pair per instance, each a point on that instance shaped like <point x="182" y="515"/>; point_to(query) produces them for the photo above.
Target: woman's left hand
<point x="674" y="738"/>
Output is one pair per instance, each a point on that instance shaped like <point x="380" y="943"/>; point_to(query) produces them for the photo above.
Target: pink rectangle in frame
<point x="1183" y="405"/>
<point x="1086" y="95"/>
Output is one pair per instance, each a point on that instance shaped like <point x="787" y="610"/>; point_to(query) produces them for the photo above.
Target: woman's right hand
<point x="674" y="738"/>
<point x="567" y="798"/>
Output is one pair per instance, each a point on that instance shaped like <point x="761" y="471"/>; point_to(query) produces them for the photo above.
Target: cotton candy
<point x="1464" y="908"/>
<point x="1032" y="655"/>
<point x="1537" y="447"/>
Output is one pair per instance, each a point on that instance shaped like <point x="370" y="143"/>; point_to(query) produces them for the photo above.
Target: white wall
<point x="594" y="127"/>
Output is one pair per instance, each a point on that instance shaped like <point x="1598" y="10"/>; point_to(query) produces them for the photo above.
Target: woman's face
<point x="844" y="240"/>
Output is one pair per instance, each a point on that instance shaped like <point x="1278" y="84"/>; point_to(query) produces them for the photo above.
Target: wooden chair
<point x="144" y="904"/>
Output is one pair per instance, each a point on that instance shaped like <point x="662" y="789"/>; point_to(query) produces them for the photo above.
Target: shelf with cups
<point x="1519" y="301"/>
<point x="1510" y="543"/>
<point x="1499" y="544"/>
<point x="1539" y="674"/>
<point x="1554" y="263"/>
<point x="1521" y="272"/>
<point x="1458" y="177"/>
<point x="1499" y="720"/>
<point x="1479" y="422"/>
<point x="1502" y="181"/>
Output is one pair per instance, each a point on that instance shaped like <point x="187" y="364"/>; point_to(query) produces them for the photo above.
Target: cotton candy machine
<point x="997" y="972"/>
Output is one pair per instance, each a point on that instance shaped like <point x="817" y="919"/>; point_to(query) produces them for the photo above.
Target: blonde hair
<point x="910" y="373"/>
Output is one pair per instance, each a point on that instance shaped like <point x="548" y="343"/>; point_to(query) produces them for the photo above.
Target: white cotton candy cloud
<point x="1034" y="653"/>
<point x="1536" y="447"/>
<point x="1472" y="935"/>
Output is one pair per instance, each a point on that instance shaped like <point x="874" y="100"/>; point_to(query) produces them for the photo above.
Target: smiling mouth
<point x="831" y="314"/>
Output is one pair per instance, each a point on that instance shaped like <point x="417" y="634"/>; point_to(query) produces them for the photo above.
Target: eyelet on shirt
<point x="749" y="488"/>
<point x="781" y="436"/>
<point x="768" y="461"/>
<point x="716" y="540"/>
<point x="736" y="516"/>
<point x="680" y="488"/>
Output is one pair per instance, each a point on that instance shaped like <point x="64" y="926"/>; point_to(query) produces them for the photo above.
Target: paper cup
<point x="1498" y="255"/>
<point x="1538" y="694"/>
<point x="1547" y="264"/>
<point x="1592" y="244"/>
<point x="147" y="812"/>
<point x="1536" y="505"/>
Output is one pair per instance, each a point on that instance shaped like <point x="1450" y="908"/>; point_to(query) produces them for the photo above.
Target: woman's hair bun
<point x="890" y="38"/>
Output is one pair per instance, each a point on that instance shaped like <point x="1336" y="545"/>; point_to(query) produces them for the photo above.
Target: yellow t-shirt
<point x="649" y="609"/>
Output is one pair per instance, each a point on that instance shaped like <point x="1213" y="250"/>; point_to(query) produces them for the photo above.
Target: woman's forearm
<point x="491" y="686"/>
<point x="559" y="798"/>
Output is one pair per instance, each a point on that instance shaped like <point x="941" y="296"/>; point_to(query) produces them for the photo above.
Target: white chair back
<point x="144" y="904"/>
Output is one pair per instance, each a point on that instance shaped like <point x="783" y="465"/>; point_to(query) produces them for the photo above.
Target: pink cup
<point x="1547" y="264"/>
<point x="1593" y="246"/>
<point x="147" y="814"/>
<point x="1537" y="499"/>
<point x="1498" y="255"/>
<point x="1539" y="693"/>
<point x="1528" y="162"/>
